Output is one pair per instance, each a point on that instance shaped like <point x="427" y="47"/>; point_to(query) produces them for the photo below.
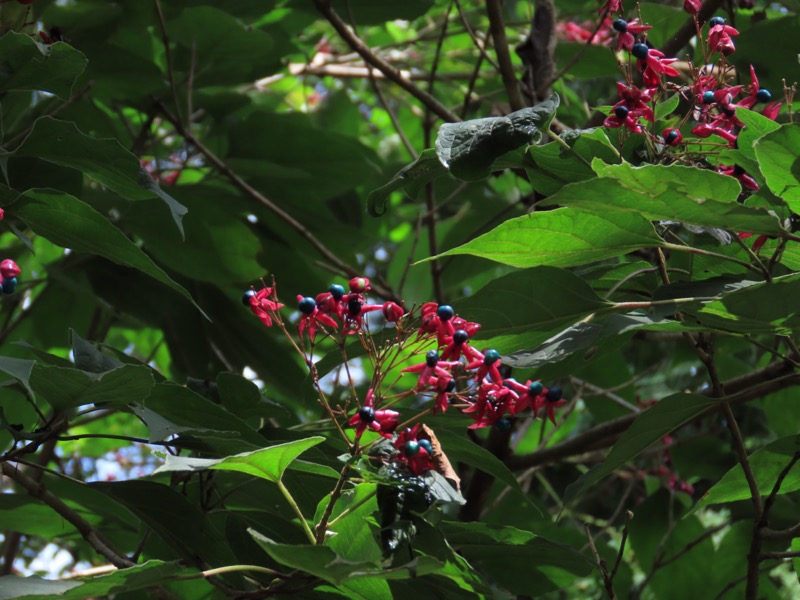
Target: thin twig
<point x="498" y="31"/>
<point x="168" y="57"/>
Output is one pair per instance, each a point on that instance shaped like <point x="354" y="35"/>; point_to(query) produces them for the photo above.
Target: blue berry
<point x="431" y="358"/>
<point x="307" y="305"/>
<point x="491" y="357"/>
<point x="246" y="297"/>
<point x="621" y="112"/>
<point x="716" y="21"/>
<point x="708" y="97"/>
<point x="451" y="385"/>
<point x="535" y="389"/>
<point x="620" y="25"/>
<point x="426" y="444"/>
<point x="764" y="95"/>
<point x="460" y="337"/>
<point x="671" y="136"/>
<point x="354" y="307"/>
<point x="337" y="291"/>
<point x="554" y="394"/>
<point x="445" y="312"/>
<point x="640" y="51"/>
<point x="9" y="285"/>
<point x="412" y="448"/>
<point x="503" y="424"/>
<point x="366" y="414"/>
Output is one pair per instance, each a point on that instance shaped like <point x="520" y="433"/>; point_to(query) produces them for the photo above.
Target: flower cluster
<point x="454" y="371"/>
<point x="9" y="270"/>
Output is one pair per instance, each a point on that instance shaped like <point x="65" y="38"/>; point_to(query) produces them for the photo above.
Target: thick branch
<point x="89" y="533"/>
<point x="772" y="378"/>
<point x="389" y="70"/>
<point x="498" y="32"/>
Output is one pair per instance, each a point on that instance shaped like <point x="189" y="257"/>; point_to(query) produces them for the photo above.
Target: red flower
<point x="705" y="130"/>
<point x="652" y="64"/>
<point x="532" y="394"/>
<point x="383" y="422"/>
<point x="356" y="309"/>
<point x="631" y="107"/>
<point x="438" y="318"/>
<point x="262" y="306"/>
<point x="492" y="403"/>
<point x="432" y="367"/>
<point x="311" y="316"/>
<point x="2" y="214"/>
<point x="443" y="386"/>
<point x="740" y="174"/>
<point x="392" y="312"/>
<point x="458" y="344"/>
<point x="692" y="6"/>
<point x="414" y="451"/>
<point x="719" y="38"/>
<point x="756" y="94"/>
<point x="550" y="399"/>
<point x="627" y="30"/>
<point x="612" y="6"/>
<point x="758" y="244"/>
<point x="487" y="364"/>
<point x="672" y="137"/>
<point x="9" y="269"/>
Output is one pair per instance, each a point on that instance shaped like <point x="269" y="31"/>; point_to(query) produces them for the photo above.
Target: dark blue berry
<point x="728" y="111"/>
<point x="503" y="424"/>
<point x="554" y="394"/>
<point x="337" y="291"/>
<point x="491" y="357"/>
<point x="535" y="389"/>
<point x="764" y="95"/>
<point x="451" y="385"/>
<point x="426" y="444"/>
<point x="9" y="285"/>
<point x="671" y="136"/>
<point x="445" y="312"/>
<point x="412" y="448"/>
<point x="716" y="21"/>
<point x="246" y="297"/>
<point x="708" y="97"/>
<point x="354" y="307"/>
<point x="621" y="112"/>
<point x="640" y="51"/>
<point x="460" y="336"/>
<point x="620" y="25"/>
<point x="366" y="414"/>
<point x="432" y="358"/>
<point x="307" y="305"/>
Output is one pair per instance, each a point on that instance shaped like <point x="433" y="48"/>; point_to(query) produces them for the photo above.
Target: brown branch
<point x="608" y="583"/>
<point x="168" y="58"/>
<point x="389" y="70"/>
<point x="772" y="378"/>
<point x="245" y="187"/>
<point x="538" y="51"/>
<point x="498" y="31"/>
<point x="89" y="533"/>
<point x="779" y="534"/>
<point x="780" y="555"/>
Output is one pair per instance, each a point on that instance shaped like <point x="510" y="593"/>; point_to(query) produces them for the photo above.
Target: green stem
<point x="350" y="509"/>
<point x="679" y="248"/>
<point x="232" y="569"/>
<point x="290" y="499"/>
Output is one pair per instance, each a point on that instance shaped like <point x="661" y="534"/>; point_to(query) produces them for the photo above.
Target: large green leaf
<point x="562" y="238"/>
<point x="517" y="560"/>
<point x="470" y="148"/>
<point x="27" y="65"/>
<point x="767" y="463"/>
<point x="147" y="574"/>
<point x="71" y="223"/>
<point x="649" y="427"/>
<point x="326" y="564"/>
<point x="65" y="388"/>
<point x="675" y="192"/>
<point x="104" y="160"/>
<point x="778" y="155"/>
<point x="534" y="300"/>
<point x="267" y="463"/>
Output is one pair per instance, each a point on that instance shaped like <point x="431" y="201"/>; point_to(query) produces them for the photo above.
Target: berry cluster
<point x="9" y="271"/>
<point x="454" y="372"/>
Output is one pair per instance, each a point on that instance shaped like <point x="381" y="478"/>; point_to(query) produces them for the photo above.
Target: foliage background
<point x="166" y="155"/>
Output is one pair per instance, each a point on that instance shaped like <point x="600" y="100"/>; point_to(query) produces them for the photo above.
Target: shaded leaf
<point x="410" y="179"/>
<point x="778" y="155"/>
<point x="469" y="149"/>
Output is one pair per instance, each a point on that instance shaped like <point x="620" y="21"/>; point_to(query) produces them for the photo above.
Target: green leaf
<point x="460" y="449"/>
<point x="516" y="304"/>
<point x="65" y="388"/>
<point x="517" y="560"/>
<point x="267" y="463"/>
<point x="766" y="463"/>
<point x="71" y="223"/>
<point x="89" y="358"/>
<point x="20" y="369"/>
<point x="31" y="66"/>
<point x="561" y="238"/>
<point x="674" y="192"/>
<point x="469" y="149"/>
<point x="649" y="427"/>
<point x="778" y="155"/>
<point x="104" y="160"/>
<point x="326" y="564"/>
<point x="147" y="574"/>
<point x="410" y="179"/>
